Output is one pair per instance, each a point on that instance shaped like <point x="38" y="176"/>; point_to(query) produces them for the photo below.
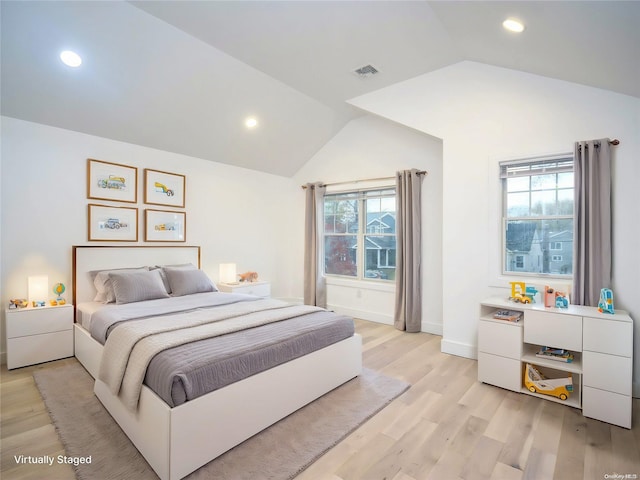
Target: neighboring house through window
<point x="360" y="234"/>
<point x="538" y="215"/>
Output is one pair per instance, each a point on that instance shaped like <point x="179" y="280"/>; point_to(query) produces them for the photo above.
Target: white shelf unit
<point x="602" y="345"/>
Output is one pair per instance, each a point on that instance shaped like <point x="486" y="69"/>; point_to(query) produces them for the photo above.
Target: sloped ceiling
<point x="182" y="76"/>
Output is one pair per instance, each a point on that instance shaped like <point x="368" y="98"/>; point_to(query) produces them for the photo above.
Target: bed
<point x="177" y="440"/>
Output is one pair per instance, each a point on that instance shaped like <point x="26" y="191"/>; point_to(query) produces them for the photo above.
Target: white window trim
<point x="495" y="257"/>
<point x="334" y="279"/>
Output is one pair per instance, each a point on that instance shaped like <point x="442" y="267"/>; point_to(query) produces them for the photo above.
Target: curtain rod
<point x="420" y="172"/>
<point x="615" y="141"/>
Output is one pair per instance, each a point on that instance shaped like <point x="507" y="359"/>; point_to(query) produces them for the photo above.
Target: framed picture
<point x="113" y="224"/>
<point x="111" y="181"/>
<point x="164" y="226"/>
<point x="164" y="188"/>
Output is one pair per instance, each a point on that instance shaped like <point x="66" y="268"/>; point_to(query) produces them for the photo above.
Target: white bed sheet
<point x="85" y="310"/>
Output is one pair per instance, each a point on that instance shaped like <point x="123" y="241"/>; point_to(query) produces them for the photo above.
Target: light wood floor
<point x="447" y="426"/>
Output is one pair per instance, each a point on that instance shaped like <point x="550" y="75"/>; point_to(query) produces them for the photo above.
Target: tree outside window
<point x="538" y="216"/>
<point x="360" y="234"/>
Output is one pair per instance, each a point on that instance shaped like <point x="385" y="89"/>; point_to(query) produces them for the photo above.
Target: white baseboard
<point x="459" y="349"/>
<point x="432" y="328"/>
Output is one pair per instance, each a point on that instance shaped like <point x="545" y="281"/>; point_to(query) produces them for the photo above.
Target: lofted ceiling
<point x="182" y="76"/>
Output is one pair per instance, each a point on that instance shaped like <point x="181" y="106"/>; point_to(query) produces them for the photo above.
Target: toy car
<point x="163" y="188"/>
<point x="536" y="382"/>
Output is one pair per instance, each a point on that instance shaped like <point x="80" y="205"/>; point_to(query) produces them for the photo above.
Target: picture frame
<point x="111" y="181"/>
<point x="165" y="226"/>
<point x="112" y="224"/>
<point x="164" y="188"/>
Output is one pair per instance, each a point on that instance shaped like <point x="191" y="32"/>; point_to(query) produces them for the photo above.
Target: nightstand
<point x="38" y="334"/>
<point x="259" y="289"/>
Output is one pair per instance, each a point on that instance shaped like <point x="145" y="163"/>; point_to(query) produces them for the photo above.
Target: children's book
<point x="557" y="354"/>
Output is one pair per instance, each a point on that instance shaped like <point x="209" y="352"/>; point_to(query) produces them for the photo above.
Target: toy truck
<point x="536" y="382"/>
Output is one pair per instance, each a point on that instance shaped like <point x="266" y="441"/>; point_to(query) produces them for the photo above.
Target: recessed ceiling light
<point x="72" y="59"/>
<point x="251" y="122"/>
<point x="513" y="25"/>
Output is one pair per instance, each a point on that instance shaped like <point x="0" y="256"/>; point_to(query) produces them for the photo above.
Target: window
<point x="538" y="215"/>
<point x="360" y="234"/>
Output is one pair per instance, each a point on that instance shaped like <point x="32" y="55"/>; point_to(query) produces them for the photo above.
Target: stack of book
<point x="557" y="354"/>
<point x="508" y="315"/>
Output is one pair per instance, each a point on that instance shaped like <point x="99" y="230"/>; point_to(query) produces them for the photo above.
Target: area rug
<point x="279" y="452"/>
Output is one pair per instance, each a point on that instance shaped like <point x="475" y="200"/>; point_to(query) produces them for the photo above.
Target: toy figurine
<point x="519" y="293"/>
<point x="549" y="297"/>
<point x="561" y="300"/>
<point x="605" y="305"/>
<point x="59" y="289"/>
<point x="18" y="303"/>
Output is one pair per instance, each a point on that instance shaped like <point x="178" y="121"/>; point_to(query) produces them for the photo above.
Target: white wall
<point x="485" y="114"/>
<point x="373" y="147"/>
<point x="235" y="214"/>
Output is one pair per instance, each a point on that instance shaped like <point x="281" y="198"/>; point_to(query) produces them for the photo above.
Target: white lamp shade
<point x="228" y="272"/>
<point x="38" y="288"/>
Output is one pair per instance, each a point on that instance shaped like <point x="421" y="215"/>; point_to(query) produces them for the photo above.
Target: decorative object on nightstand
<point x="58" y="289"/>
<point x="248" y="277"/>
<point x="38" y="290"/>
<point x="36" y="335"/>
<point x="228" y="273"/>
<point x="259" y="289"/>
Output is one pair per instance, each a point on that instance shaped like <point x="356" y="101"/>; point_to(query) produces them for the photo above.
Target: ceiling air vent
<point x="366" y="71"/>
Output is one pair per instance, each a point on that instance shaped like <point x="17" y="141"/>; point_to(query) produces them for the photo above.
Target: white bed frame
<point x="177" y="441"/>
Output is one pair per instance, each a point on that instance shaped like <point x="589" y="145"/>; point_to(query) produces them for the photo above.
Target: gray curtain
<point x="314" y="282"/>
<point x="408" y="301"/>
<point x="592" y="213"/>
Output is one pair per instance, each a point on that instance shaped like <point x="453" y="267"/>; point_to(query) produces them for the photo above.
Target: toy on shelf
<point x="555" y="354"/>
<point x="561" y="300"/>
<point x="549" y="297"/>
<point x="18" y="303"/>
<point x="520" y="293"/>
<point x="507" y="315"/>
<point x="536" y="382"/>
<point x="605" y="305"/>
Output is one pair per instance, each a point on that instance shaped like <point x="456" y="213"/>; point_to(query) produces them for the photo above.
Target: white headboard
<point x="90" y="258"/>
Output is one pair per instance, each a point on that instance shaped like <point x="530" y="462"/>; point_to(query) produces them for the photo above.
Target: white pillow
<point x="102" y="282"/>
<point x="188" y="281"/>
<point x="132" y="287"/>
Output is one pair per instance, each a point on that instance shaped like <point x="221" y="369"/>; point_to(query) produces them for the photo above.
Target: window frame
<point x="361" y="195"/>
<point x="564" y="163"/>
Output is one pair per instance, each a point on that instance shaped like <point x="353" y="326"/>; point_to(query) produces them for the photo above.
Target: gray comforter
<point x="185" y="372"/>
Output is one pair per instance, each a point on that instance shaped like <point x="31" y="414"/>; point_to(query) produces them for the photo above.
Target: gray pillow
<point x="132" y="287"/>
<point x="187" y="282"/>
<point x="102" y="282"/>
<point x="184" y="266"/>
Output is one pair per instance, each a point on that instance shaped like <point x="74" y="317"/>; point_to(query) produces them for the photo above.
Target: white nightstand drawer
<point x="607" y="372"/>
<point x="34" y="349"/>
<point x="259" y="289"/>
<point x="500" y="371"/>
<point x="34" y="321"/>
<point x="606" y="406"/>
<point x="553" y="330"/>
<point x="608" y="336"/>
<point x="500" y="338"/>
